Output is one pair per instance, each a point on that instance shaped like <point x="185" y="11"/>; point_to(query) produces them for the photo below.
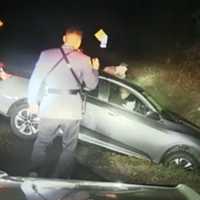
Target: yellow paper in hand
<point x="100" y="35"/>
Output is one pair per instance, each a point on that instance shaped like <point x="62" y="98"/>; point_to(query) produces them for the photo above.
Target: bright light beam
<point x="1" y="23"/>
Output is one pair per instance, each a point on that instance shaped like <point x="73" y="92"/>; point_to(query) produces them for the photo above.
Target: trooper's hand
<point x="95" y="63"/>
<point x="33" y="108"/>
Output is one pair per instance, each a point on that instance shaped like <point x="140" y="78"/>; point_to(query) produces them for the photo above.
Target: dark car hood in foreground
<point x="12" y="188"/>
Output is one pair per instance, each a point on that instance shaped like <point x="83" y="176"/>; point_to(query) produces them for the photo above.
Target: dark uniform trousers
<point x="49" y="129"/>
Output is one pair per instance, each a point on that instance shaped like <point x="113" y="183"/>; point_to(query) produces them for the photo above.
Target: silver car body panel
<point x="12" y="90"/>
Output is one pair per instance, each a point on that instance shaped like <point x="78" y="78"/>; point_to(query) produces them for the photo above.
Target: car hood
<point x="15" y="86"/>
<point x="35" y="188"/>
<point x="181" y="124"/>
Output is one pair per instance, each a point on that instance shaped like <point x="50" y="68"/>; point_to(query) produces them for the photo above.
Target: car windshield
<point x="151" y="99"/>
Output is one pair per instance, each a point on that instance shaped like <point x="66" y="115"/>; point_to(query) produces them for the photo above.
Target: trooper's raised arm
<point x="90" y="73"/>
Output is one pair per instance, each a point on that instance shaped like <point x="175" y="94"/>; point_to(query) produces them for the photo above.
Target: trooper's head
<point x="73" y="37"/>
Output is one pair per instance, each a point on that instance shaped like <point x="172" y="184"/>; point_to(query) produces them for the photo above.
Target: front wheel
<point x="23" y="123"/>
<point x="182" y="160"/>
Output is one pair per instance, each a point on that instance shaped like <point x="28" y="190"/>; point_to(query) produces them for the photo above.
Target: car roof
<point x="124" y="81"/>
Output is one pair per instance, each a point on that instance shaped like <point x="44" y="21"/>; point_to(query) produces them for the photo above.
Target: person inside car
<point x="125" y="99"/>
<point x="122" y="96"/>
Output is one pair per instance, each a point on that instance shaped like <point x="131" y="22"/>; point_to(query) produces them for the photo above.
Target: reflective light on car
<point x="111" y="195"/>
<point x="9" y="97"/>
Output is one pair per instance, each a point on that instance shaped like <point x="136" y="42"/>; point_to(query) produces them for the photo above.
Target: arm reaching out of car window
<point x="118" y="71"/>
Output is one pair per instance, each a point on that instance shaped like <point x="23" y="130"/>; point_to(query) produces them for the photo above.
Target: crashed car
<point x="36" y="188"/>
<point x="138" y="127"/>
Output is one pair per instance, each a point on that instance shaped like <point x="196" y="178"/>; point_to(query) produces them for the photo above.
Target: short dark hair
<point x="76" y="30"/>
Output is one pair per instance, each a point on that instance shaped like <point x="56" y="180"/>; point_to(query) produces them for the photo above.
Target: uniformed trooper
<point x="54" y="95"/>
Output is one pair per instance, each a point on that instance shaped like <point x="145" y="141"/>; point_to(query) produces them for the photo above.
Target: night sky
<point x="142" y="30"/>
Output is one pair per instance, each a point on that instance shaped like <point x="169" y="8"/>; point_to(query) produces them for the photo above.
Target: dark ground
<point x="15" y="155"/>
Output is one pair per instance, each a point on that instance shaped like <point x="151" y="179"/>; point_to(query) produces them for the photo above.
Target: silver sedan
<point x="119" y="116"/>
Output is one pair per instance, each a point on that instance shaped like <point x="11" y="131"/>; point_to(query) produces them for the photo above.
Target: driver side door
<point x="129" y="125"/>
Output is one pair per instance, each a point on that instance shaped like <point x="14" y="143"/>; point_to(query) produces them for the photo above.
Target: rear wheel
<point x="23" y="123"/>
<point x="182" y="160"/>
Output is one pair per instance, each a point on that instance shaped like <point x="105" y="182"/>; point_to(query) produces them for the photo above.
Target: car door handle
<point x="111" y="113"/>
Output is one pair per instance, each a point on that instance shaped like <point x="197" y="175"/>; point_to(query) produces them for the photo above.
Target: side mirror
<point x="3" y="174"/>
<point x="153" y="115"/>
<point x="2" y="65"/>
<point x="3" y="75"/>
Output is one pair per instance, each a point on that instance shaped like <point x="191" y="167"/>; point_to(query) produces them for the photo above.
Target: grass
<point x="120" y="168"/>
<point x="176" y="88"/>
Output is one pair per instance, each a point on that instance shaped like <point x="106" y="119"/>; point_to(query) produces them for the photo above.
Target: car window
<point x="102" y="90"/>
<point x="124" y="98"/>
<point x="94" y="93"/>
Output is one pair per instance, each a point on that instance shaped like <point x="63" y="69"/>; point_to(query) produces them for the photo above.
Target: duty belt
<point x="57" y="91"/>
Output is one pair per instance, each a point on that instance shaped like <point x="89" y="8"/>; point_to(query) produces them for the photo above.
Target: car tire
<point x="24" y="124"/>
<point x="181" y="160"/>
